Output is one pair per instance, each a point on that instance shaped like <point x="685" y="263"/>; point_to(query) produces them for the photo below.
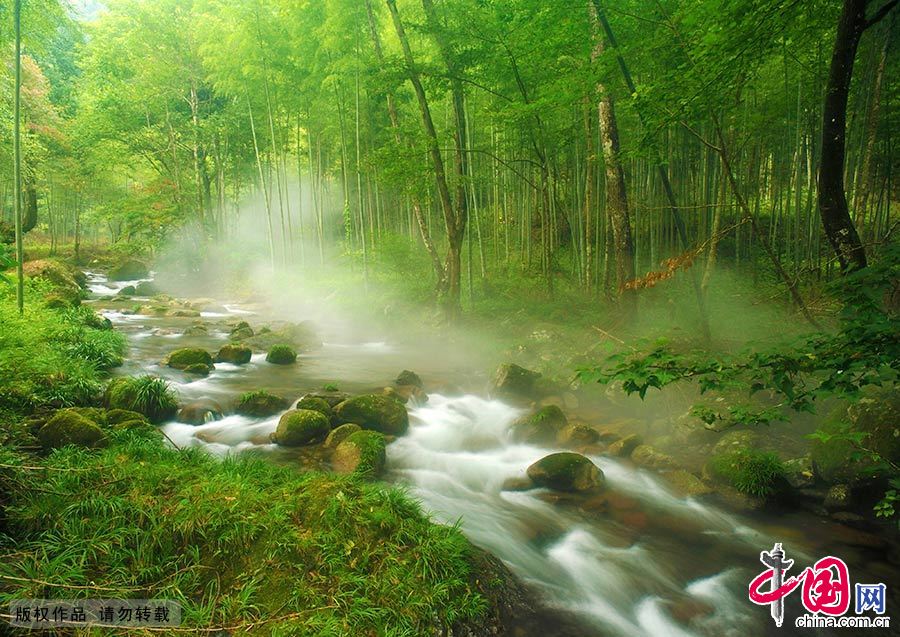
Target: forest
<point x="447" y="317"/>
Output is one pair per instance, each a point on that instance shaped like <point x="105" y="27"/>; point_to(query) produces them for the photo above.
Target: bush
<point x="750" y="471"/>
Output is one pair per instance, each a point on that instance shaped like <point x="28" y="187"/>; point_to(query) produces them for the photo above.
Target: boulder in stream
<point x="315" y="403"/>
<point x="234" y="353"/>
<point x="187" y="357"/>
<point x="281" y="355"/>
<point x="625" y="446"/>
<point x="68" y="427"/>
<point x="577" y="435"/>
<point x="361" y="453"/>
<point x="566" y="471"/>
<point x="515" y="382"/>
<point x="259" y="404"/>
<point x="199" y="412"/>
<point x="241" y="331"/>
<point x="339" y="434"/>
<point x="299" y="427"/>
<point x="407" y="377"/>
<point x="129" y="270"/>
<point x="146" y="288"/>
<point x="333" y="397"/>
<point x="541" y="427"/>
<point x="378" y="413"/>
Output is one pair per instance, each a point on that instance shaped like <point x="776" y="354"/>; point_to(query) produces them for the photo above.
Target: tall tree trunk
<point x="17" y="158"/>
<point x="836" y="220"/>
<point x="418" y="214"/>
<point x="867" y="174"/>
<point x="455" y="229"/>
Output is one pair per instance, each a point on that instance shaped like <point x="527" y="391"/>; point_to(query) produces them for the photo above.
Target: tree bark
<point x="836" y="220"/>
<point x="455" y="229"/>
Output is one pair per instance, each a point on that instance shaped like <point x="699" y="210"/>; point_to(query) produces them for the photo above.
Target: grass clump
<point x="52" y="358"/>
<point x="234" y="541"/>
<point x="148" y="395"/>
<point x="751" y="471"/>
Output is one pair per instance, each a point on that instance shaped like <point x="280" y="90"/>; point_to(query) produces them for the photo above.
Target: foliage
<point x="750" y="471"/>
<point x="52" y="359"/>
<point x="234" y="541"/>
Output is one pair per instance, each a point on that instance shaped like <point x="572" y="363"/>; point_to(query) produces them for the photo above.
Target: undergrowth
<point x="233" y="541"/>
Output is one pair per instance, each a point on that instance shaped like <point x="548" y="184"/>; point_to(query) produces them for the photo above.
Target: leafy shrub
<point x="751" y="471"/>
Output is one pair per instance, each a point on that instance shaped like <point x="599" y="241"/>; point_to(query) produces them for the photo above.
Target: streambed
<point x="637" y="561"/>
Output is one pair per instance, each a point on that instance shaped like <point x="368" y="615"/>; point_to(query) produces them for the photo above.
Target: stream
<point x="639" y="561"/>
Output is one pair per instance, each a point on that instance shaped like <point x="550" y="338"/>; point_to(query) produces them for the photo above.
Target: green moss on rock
<point x="362" y="453"/>
<point x="877" y="417"/>
<point x="339" y="434"/>
<point x="316" y="404"/>
<point x="301" y="427"/>
<point x="189" y="356"/>
<point x="259" y="404"/>
<point x="541" y="427"/>
<point x="129" y="270"/>
<point x="566" y="471"/>
<point x="118" y="416"/>
<point x="236" y="354"/>
<point x="378" y="413"/>
<point x="281" y="355"/>
<point x="68" y="427"/>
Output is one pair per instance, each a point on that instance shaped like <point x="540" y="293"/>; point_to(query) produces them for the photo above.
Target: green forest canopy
<point x="480" y="130"/>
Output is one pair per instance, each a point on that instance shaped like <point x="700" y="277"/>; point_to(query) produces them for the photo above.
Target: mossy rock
<point x="513" y="381"/>
<point x="541" y="427"/>
<point x="299" y="336"/>
<point x="241" y="331"/>
<point x="281" y="355"/>
<point x="118" y="416"/>
<point x="577" y="435"/>
<point x="625" y="446"/>
<point x="133" y="394"/>
<point x="59" y="302"/>
<point x="62" y="278"/>
<point x="301" y="427"/>
<point x="652" y="458"/>
<point x="259" y="404"/>
<point x="333" y="397"/>
<point x="129" y="270"/>
<point x="68" y="427"/>
<point x="362" y="453"/>
<point x="236" y="354"/>
<point x="189" y="356"/>
<point x="146" y="288"/>
<point x="339" y="434"/>
<point x="687" y="484"/>
<point x="196" y="330"/>
<point x="752" y="472"/>
<point x="128" y="290"/>
<point x="566" y="471"/>
<point x="316" y="404"/>
<point x="878" y="417"/>
<point x="197" y="369"/>
<point x="96" y="415"/>
<point x="407" y="377"/>
<point x="374" y="412"/>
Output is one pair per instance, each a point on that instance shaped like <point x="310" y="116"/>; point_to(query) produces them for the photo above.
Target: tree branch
<point x="880" y="14"/>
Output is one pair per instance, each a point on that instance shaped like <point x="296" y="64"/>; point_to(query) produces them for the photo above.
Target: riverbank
<point x="247" y="544"/>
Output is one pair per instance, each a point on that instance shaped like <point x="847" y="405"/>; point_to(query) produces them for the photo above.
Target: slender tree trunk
<point x="455" y="228"/>
<point x="836" y="220"/>
<point x="17" y="159"/>
<point x="262" y="184"/>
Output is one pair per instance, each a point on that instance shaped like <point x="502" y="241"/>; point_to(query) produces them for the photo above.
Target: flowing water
<point x="637" y="560"/>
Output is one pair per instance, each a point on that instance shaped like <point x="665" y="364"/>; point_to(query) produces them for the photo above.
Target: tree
<point x="839" y="227"/>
